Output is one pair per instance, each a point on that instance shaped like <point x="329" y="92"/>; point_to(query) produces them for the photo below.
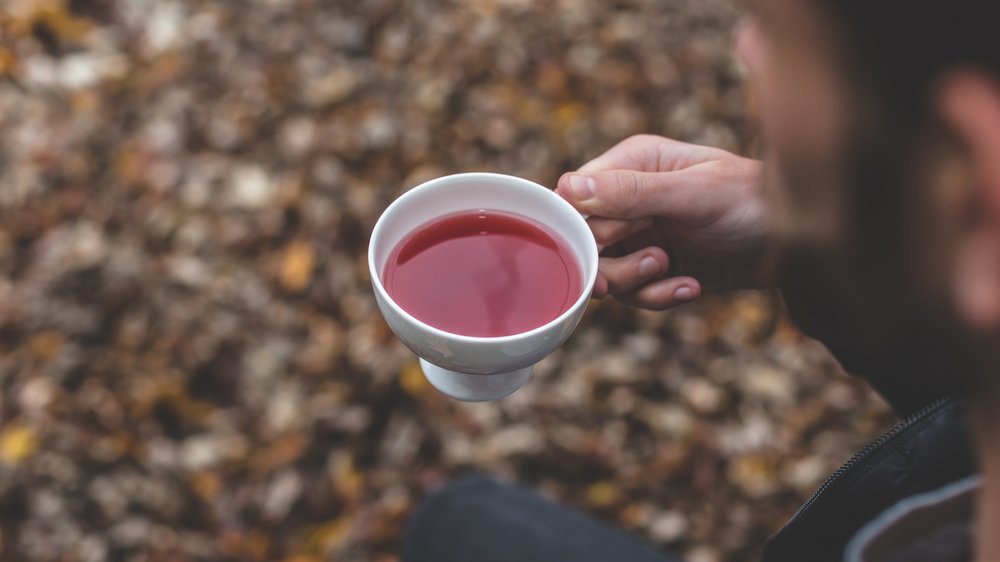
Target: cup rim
<point x="585" y="293"/>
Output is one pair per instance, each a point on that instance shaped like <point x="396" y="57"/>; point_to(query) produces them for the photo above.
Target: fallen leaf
<point x="413" y="381"/>
<point x="297" y="266"/>
<point x="45" y="345"/>
<point x="602" y="494"/>
<point x="345" y="477"/>
<point x="206" y="484"/>
<point x="17" y="443"/>
<point x="329" y="536"/>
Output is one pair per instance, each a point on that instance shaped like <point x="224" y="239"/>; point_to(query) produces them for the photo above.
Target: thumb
<point x="627" y="194"/>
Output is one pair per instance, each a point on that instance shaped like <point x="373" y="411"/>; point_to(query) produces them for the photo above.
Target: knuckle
<point x="610" y="232"/>
<point x="603" y="236"/>
<point x="640" y="139"/>
<point x="616" y="275"/>
<point x="625" y="191"/>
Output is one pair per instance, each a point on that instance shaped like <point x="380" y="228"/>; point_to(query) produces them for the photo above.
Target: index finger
<point x="651" y="153"/>
<point x="629" y="195"/>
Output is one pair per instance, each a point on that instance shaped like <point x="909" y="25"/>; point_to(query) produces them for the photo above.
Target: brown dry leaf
<point x="9" y="63"/>
<point x="45" y="345"/>
<point x="245" y="546"/>
<point x="635" y="514"/>
<point x="257" y="544"/>
<point x="131" y="165"/>
<point x="206" y="484"/>
<point x="85" y="100"/>
<point x="282" y="452"/>
<point x="119" y="444"/>
<point x="325" y="347"/>
<point x="169" y="390"/>
<point x="551" y="77"/>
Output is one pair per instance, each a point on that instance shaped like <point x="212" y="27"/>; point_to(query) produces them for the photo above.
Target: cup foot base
<point x="475" y="388"/>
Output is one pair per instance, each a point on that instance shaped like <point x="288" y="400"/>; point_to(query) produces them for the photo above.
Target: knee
<point x="430" y="531"/>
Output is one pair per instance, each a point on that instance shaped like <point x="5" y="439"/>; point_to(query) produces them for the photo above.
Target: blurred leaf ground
<point x="191" y="363"/>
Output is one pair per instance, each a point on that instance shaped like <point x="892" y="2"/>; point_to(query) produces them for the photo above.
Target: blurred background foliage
<point x="191" y="361"/>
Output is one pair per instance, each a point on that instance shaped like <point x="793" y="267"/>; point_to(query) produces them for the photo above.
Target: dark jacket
<point x="927" y="450"/>
<point x="930" y="448"/>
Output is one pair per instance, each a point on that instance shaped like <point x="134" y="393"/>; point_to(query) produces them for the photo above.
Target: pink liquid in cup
<point x="484" y="274"/>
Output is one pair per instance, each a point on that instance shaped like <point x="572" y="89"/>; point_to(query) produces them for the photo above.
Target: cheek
<point x="976" y="280"/>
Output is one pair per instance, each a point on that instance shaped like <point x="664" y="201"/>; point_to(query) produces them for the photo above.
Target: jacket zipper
<point x="868" y="450"/>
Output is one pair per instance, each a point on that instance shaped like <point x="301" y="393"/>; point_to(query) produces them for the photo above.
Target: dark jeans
<point x="479" y="519"/>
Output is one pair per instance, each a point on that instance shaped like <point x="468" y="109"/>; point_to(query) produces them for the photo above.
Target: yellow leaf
<point x="329" y="536"/>
<point x="297" y="266"/>
<point x="345" y="477"/>
<point x="567" y="114"/>
<point x="602" y="494"/>
<point x="413" y="380"/>
<point x="755" y="474"/>
<point x="17" y="443"/>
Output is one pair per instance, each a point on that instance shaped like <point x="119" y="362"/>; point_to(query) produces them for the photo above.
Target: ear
<point x="969" y="103"/>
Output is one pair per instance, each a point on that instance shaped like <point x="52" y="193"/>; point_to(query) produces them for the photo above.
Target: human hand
<point x="672" y="219"/>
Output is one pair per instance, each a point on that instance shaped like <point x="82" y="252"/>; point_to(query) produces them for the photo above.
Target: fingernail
<point x="684" y="294"/>
<point x="582" y="186"/>
<point x="648" y="266"/>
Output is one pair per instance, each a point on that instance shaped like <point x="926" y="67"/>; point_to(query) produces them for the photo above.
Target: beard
<point x="854" y="262"/>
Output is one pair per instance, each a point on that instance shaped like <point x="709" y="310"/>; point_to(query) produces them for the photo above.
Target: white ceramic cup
<point x="478" y="369"/>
